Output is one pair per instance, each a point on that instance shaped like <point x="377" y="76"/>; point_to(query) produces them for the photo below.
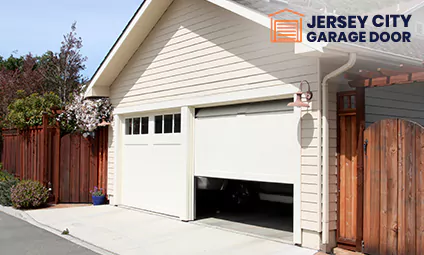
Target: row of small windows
<point x="164" y="124"/>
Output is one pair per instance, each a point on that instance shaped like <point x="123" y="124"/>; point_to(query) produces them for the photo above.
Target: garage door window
<point x="128" y="126"/>
<point x="167" y="124"/>
<point x="137" y="126"/>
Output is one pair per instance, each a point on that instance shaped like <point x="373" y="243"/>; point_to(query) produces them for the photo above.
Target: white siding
<point x="310" y="162"/>
<point x="198" y="49"/>
<point x="404" y="101"/>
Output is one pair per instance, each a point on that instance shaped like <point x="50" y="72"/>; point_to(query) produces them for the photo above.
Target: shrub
<point x="28" y="111"/>
<point x="7" y="181"/>
<point x="29" y="194"/>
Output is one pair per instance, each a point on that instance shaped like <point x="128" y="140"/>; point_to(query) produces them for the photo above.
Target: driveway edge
<point x="22" y="215"/>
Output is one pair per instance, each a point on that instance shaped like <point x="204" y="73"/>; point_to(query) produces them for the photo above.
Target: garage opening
<point x="246" y="163"/>
<point x="259" y="208"/>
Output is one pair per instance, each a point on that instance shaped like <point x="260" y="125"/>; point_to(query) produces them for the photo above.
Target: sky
<point x="37" y="26"/>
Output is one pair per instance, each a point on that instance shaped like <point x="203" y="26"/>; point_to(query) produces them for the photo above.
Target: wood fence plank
<point x="401" y="190"/>
<point x="85" y="168"/>
<point x="375" y="194"/>
<point x="367" y="190"/>
<point x="56" y="164"/>
<point x="419" y="163"/>
<point x="65" y="168"/>
<point x="74" y="169"/>
<point x="93" y="165"/>
<point x="391" y="160"/>
<point x="385" y="129"/>
<point x="409" y="153"/>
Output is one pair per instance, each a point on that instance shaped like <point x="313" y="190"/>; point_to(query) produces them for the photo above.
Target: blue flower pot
<point x="98" y="200"/>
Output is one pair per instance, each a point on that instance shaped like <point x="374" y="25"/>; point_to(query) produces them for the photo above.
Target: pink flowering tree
<point x="85" y="114"/>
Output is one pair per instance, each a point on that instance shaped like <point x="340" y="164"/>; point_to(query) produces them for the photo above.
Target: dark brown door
<point x="347" y="169"/>
<point x="394" y="188"/>
<point x="350" y="168"/>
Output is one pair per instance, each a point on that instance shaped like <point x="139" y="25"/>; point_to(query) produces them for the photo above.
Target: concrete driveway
<point x="124" y="231"/>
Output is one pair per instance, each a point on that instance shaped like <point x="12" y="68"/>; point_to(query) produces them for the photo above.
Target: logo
<point x="329" y="28"/>
<point x="286" y="30"/>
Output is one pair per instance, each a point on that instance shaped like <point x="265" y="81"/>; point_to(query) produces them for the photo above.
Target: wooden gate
<point x="394" y="188"/>
<point x="83" y="165"/>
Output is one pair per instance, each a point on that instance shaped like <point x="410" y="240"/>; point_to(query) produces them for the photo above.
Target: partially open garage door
<point x="152" y="170"/>
<point x="254" y="141"/>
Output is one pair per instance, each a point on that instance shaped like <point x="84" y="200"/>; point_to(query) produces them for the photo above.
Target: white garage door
<point x="153" y="170"/>
<point x="255" y="141"/>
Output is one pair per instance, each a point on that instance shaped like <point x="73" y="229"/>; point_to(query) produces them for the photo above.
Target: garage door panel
<point x="153" y="171"/>
<point x="151" y="182"/>
<point x="255" y="146"/>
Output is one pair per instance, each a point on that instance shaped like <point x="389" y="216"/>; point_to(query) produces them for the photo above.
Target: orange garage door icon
<point x="286" y="30"/>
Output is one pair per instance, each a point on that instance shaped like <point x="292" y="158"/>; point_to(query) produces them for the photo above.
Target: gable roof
<point x="150" y="11"/>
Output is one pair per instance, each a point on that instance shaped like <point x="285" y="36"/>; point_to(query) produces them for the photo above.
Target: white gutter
<point x="326" y="143"/>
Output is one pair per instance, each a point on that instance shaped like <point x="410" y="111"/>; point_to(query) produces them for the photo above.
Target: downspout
<point x="326" y="143"/>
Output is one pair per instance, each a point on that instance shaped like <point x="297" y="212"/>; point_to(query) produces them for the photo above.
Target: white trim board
<point x="270" y="93"/>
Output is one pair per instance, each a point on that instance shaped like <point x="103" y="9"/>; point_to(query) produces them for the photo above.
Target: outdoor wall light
<point x="308" y="95"/>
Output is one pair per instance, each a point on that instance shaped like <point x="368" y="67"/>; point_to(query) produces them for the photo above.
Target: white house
<point x="200" y="91"/>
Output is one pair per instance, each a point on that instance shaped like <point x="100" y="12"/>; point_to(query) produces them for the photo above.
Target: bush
<point x="7" y="181"/>
<point x="28" y="111"/>
<point x="29" y="194"/>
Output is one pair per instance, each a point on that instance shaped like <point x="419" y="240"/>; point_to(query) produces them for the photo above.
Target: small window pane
<point x="168" y="124"/>
<point x="158" y="124"/>
<point x="136" y="126"/>
<point x="128" y="126"/>
<point x="145" y="125"/>
<point x="177" y="123"/>
<point x="345" y="103"/>
<point x="352" y="102"/>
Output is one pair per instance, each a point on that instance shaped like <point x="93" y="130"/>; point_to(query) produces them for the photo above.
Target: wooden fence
<point x="70" y="165"/>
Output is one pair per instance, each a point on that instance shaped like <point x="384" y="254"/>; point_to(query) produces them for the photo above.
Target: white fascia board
<point x="414" y="8"/>
<point x="127" y="44"/>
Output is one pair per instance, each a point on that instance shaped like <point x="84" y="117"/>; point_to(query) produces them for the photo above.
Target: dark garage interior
<point x="256" y="208"/>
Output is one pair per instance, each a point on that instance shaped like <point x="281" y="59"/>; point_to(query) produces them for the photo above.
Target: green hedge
<point x="7" y="181"/>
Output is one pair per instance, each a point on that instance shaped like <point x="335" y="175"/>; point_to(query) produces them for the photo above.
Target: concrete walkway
<point x="124" y="231"/>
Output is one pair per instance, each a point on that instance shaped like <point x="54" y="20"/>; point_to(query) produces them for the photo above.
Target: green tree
<point x="28" y="111"/>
